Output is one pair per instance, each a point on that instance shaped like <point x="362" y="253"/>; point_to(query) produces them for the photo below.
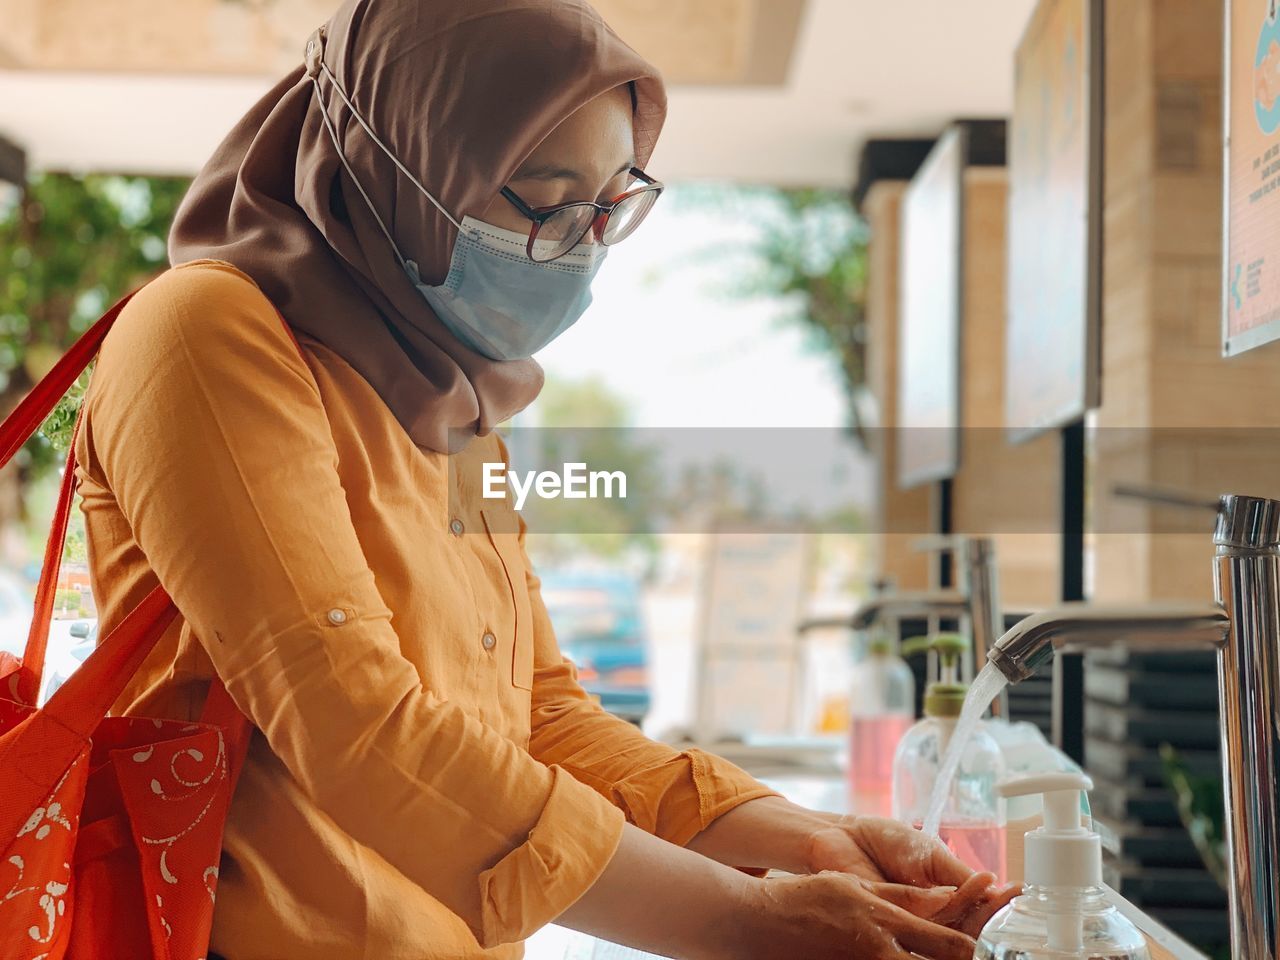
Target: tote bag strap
<point x="14" y="432"/>
<point x="64" y="724"/>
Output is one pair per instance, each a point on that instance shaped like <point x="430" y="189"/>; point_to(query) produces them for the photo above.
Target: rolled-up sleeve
<point x="673" y="794"/>
<point x="207" y="426"/>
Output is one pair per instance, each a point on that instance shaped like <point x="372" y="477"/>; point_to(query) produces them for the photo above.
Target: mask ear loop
<point x="315" y="65"/>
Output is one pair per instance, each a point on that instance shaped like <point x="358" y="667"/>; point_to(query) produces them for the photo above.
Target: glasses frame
<point x="540" y="215"/>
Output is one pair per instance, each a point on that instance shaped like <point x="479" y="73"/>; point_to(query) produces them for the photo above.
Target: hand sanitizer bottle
<point x="1063" y="913"/>
<point x="882" y="708"/>
<point x="972" y="824"/>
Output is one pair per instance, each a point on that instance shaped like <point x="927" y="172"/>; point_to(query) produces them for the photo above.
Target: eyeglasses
<point x="557" y="229"/>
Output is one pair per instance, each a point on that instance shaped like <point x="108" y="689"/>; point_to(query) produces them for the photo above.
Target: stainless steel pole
<point x="1247" y="584"/>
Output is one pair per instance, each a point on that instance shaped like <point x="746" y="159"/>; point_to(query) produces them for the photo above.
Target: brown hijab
<point x="461" y="91"/>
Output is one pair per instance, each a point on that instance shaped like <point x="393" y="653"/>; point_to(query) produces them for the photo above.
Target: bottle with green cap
<point x="973" y="818"/>
<point x="881" y="709"/>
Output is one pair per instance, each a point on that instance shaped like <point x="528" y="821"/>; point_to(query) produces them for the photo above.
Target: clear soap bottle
<point x="972" y="824"/>
<point x="882" y="709"/>
<point x="1063" y="913"/>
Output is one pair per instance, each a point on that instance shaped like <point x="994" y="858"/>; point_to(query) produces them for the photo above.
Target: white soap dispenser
<point x="1063" y="913"/>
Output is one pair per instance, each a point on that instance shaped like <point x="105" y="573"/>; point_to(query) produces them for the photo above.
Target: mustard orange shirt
<point x="426" y="779"/>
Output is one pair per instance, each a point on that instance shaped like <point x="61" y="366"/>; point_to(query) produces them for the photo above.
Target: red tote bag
<point x="110" y="827"/>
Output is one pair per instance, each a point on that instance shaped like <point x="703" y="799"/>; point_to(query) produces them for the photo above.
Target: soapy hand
<point x="835" y="916"/>
<point x="883" y="851"/>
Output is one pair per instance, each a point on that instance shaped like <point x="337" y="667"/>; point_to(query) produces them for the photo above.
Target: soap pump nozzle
<point x="944" y="696"/>
<point x="1064" y="912"/>
<point x="1062" y="857"/>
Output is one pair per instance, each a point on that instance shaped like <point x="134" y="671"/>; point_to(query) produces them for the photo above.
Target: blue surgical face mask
<point x="502" y="304"/>
<point x="495" y="299"/>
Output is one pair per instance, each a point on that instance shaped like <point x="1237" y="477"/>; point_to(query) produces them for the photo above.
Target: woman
<point x="427" y="779"/>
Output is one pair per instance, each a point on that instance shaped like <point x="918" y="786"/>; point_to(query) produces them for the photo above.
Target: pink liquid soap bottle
<point x="881" y="709"/>
<point x="973" y="819"/>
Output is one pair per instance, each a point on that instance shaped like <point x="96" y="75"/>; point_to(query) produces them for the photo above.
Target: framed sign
<point x="753" y="589"/>
<point x="930" y="301"/>
<point x="1251" y="181"/>
<point x="1054" y="291"/>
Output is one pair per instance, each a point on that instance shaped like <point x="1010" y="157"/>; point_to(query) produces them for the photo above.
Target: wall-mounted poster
<point x="1055" y="225"/>
<point x="929" y="298"/>
<point x="1251" y="115"/>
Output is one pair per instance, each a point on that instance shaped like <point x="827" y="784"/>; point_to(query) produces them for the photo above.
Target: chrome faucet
<point x="1244" y="626"/>
<point x="977" y="599"/>
<point x="1073" y="627"/>
<point x="899" y="605"/>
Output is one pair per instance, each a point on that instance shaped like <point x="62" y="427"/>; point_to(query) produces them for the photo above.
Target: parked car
<point x="59" y="665"/>
<point x="599" y="625"/>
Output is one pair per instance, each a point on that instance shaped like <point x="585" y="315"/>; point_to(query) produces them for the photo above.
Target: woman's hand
<point x="837" y="916"/>
<point x="663" y="899"/>
<point x="885" y="851"/>
<point x="773" y="832"/>
<point x="675" y="902"/>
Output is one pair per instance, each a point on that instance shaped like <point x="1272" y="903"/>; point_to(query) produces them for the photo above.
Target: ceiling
<point x="769" y="91"/>
<point x="692" y="41"/>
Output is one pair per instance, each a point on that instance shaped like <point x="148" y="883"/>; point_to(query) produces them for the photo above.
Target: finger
<point x="944" y="866"/>
<point x="966" y="896"/>
<point x="924" y="937"/>
<point x="934" y="864"/>
<point x="970" y="911"/>
<point x="906" y="855"/>
<point x="995" y="900"/>
<point x="928" y="939"/>
<point x="921" y="901"/>
<point x="1006" y="895"/>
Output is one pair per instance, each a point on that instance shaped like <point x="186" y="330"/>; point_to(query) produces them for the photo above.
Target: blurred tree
<point x="583" y="421"/>
<point x="69" y="247"/>
<point x="820" y="256"/>
<point x="808" y="247"/>
<point x="717" y="493"/>
<point x="582" y="403"/>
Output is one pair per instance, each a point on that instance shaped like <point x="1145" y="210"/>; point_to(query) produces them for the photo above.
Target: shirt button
<point x="456" y="527"/>
<point x="488" y="640"/>
<point x="337" y="615"/>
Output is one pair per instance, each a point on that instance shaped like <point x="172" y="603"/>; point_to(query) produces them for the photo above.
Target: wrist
<point x="731" y="924"/>
<point x="749" y="927"/>
<point x="770" y="832"/>
<point x="828" y="845"/>
<point x="816" y="833"/>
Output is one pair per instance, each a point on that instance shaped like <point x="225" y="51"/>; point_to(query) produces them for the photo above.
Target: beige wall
<point x="1007" y="492"/>
<point x="904" y="514"/>
<point x="1161" y="361"/>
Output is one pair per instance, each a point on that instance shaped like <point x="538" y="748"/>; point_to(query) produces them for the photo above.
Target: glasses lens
<point x="626" y="216"/>
<point x="561" y="231"/>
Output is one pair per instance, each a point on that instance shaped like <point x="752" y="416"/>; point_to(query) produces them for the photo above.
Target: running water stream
<point x="985" y="688"/>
